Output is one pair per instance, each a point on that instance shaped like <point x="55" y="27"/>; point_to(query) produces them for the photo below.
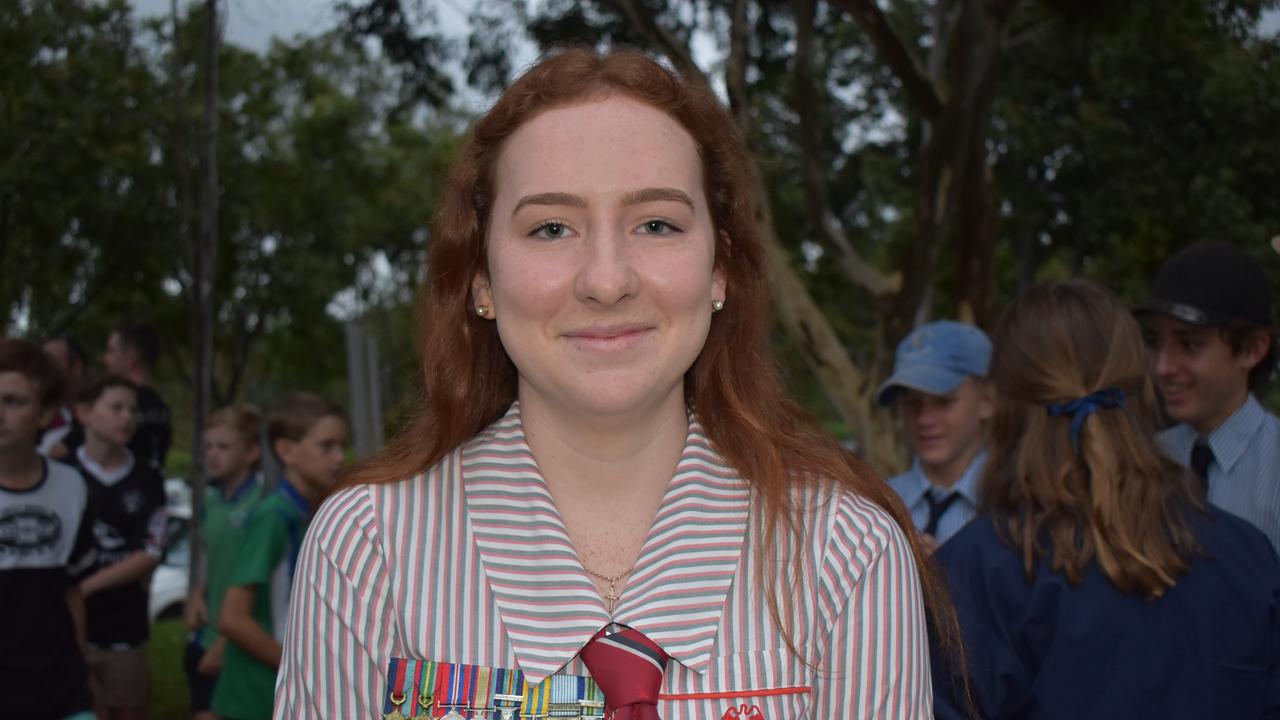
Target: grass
<point x="168" y="681"/>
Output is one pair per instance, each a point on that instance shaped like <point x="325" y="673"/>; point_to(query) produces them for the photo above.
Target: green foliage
<point x="324" y="174"/>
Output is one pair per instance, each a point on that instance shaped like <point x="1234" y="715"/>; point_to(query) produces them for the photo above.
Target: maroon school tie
<point x="628" y="667"/>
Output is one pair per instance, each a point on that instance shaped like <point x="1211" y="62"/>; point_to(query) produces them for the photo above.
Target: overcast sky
<point x="253" y="23"/>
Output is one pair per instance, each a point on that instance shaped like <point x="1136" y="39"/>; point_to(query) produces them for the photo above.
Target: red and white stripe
<point x="470" y="563"/>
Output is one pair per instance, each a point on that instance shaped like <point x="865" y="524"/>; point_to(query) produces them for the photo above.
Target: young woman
<point x="1100" y="584"/>
<point x="606" y="478"/>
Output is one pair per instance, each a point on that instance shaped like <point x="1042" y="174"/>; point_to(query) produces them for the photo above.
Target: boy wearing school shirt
<point x="1213" y="344"/>
<point x="231" y="453"/>
<point x="939" y="385"/>
<point x="129" y="532"/>
<point x="45" y="546"/>
<point x="308" y="436"/>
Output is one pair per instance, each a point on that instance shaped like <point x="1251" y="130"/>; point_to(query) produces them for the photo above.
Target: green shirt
<point x="266" y="560"/>
<point x="224" y="526"/>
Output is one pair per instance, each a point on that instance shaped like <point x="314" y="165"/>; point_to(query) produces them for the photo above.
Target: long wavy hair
<point x="1114" y="497"/>
<point x="734" y="384"/>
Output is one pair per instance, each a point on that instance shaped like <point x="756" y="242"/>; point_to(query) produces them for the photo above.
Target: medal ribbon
<point x="395" y="679"/>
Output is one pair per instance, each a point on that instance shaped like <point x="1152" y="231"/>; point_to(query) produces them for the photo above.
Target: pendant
<point x="424" y="707"/>
<point x="396" y="702"/>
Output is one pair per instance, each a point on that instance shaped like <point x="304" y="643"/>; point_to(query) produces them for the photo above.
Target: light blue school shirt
<point x="912" y="485"/>
<point x="1244" y="477"/>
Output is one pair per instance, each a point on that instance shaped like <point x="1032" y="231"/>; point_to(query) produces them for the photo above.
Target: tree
<point x="317" y="183"/>
<point x="948" y="151"/>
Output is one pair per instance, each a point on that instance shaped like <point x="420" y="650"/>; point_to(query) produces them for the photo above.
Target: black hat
<point x="1211" y="284"/>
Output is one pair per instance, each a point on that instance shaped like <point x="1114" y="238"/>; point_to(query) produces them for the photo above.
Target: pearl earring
<point x="717" y="305"/>
<point x="482" y="310"/>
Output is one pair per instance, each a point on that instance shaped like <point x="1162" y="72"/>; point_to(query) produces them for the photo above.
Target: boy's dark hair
<point x="75" y="351"/>
<point x="142" y="339"/>
<point x="1238" y="334"/>
<point x="98" y="385"/>
<point x="293" y="417"/>
<point x="27" y="359"/>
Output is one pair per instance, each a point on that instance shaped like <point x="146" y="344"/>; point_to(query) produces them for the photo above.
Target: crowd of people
<point x="608" y="506"/>
<point x="84" y="522"/>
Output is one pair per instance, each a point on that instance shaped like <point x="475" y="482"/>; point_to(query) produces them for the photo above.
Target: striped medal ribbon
<point x="426" y="690"/>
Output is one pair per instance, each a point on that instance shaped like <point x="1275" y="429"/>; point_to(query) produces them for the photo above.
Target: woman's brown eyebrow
<point x="635" y="197"/>
<point x="550" y="198"/>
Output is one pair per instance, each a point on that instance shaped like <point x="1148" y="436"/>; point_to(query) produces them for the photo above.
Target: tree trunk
<point x="205" y="261"/>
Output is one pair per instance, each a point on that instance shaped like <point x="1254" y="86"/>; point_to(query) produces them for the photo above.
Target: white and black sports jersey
<point x="46" y="543"/>
<point x="129" y="516"/>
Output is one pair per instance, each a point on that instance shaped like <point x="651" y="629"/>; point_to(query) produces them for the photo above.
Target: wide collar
<point x="915" y="483"/>
<point x="548" y="604"/>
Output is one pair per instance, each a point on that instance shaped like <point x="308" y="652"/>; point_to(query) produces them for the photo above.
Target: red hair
<point x="734" y="385"/>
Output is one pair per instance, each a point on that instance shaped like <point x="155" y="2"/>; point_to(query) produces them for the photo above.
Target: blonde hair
<point x="1114" y="497"/>
<point x="241" y="418"/>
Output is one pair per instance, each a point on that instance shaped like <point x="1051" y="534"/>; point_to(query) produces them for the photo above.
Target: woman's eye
<point x="549" y="230"/>
<point x="658" y="227"/>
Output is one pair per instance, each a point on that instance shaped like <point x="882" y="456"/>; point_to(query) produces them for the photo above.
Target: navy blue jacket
<point x="1209" y="648"/>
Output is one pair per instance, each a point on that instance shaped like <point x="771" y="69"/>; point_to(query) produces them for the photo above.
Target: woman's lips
<point x="608" y="338"/>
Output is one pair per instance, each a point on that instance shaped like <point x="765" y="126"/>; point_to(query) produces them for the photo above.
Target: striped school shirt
<point x="471" y="563"/>
<point x="1244" y="477"/>
<point x="912" y="485"/>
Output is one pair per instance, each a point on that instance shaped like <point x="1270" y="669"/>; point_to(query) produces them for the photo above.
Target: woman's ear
<point x="482" y="296"/>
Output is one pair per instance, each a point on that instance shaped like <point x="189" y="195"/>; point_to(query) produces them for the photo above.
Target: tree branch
<point x="855" y="266"/>
<point x="896" y="54"/>
<point x="676" y="50"/>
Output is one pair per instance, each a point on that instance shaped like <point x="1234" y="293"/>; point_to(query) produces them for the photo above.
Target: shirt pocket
<point x="758" y="685"/>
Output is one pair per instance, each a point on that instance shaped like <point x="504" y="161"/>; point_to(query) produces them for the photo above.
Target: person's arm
<point x="211" y="662"/>
<point x="236" y="623"/>
<point x="877" y="655"/>
<point x="148" y="537"/>
<point x="134" y="568"/>
<point x="986" y="580"/>
<point x="196" y="611"/>
<point x="341" y="632"/>
<point x="75" y="604"/>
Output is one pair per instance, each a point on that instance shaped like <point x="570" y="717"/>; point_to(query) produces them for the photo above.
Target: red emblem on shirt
<point x="743" y="712"/>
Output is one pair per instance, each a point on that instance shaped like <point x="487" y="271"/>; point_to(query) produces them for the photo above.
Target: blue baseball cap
<point x="935" y="358"/>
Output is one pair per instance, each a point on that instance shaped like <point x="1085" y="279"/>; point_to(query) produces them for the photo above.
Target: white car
<point x="169" y="581"/>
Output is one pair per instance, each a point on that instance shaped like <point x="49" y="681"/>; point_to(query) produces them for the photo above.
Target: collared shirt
<point x="1244" y="477"/>
<point x="912" y="485"/>
<point x="471" y="563"/>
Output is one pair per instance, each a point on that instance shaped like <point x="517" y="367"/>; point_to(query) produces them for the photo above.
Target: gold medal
<point x="396" y="702"/>
<point x="424" y="707"/>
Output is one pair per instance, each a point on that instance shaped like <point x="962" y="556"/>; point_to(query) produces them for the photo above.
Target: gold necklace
<point x="612" y="597"/>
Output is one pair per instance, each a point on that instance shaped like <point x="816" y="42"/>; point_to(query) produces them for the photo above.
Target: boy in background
<point x="231" y="453"/>
<point x="1212" y="345"/>
<point x="45" y="545"/>
<point x="63" y="434"/>
<point x="939" y="384"/>
<point x="308" y="436"/>
<point x="129" y="531"/>
<point x="132" y="352"/>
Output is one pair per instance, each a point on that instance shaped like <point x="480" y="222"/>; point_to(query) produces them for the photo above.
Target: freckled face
<point x="601" y="257"/>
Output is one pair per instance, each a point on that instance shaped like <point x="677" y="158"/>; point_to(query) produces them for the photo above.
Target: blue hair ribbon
<point x="1083" y="407"/>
